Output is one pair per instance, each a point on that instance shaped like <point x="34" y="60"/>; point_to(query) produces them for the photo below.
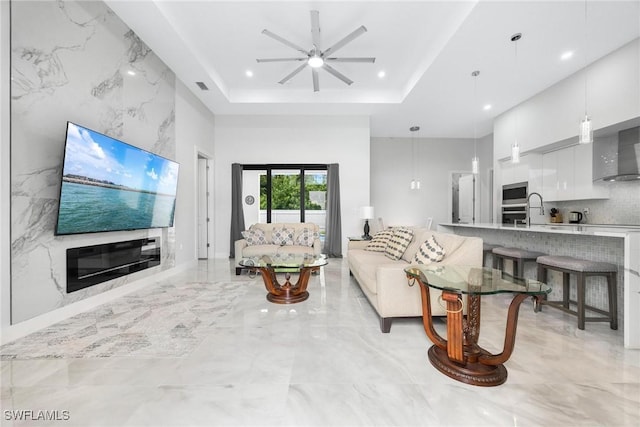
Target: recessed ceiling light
<point x="487" y="107"/>
<point x="381" y="74"/>
<point x="566" y="55"/>
<point x="131" y="73"/>
<point x="249" y="73"/>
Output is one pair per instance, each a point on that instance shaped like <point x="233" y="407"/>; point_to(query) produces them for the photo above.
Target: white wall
<point x="5" y="193"/>
<point x="391" y="174"/>
<point x="613" y="96"/>
<point x="194" y="134"/>
<point x="292" y="139"/>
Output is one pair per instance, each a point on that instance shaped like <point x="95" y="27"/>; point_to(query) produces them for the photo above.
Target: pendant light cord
<point x="585" y="58"/>
<point x="475" y="120"/>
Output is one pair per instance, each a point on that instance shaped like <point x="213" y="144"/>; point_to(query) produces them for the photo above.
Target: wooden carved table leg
<point x="464" y="360"/>
<point x="287" y="293"/>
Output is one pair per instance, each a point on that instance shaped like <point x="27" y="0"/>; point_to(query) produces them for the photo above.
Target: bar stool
<point x="583" y="269"/>
<point x="487" y="248"/>
<point x="517" y="256"/>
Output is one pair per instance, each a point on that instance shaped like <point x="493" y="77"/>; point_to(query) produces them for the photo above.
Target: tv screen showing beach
<point x="108" y="185"/>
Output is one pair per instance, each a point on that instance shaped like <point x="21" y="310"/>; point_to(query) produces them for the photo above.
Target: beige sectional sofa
<point x="304" y="239"/>
<point x="384" y="281"/>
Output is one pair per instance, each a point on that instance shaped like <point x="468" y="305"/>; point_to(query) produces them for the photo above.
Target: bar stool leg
<point x="612" y="279"/>
<point x="518" y="265"/>
<point x="566" y="290"/>
<point x="541" y="277"/>
<point x="581" y="292"/>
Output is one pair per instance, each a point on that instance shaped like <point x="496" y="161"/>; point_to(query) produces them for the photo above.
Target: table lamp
<point x="366" y="213"/>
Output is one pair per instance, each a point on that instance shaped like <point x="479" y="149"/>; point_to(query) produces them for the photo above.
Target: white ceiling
<point x="427" y="49"/>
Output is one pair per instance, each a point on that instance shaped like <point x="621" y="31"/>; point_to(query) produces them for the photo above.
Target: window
<point x="285" y="193"/>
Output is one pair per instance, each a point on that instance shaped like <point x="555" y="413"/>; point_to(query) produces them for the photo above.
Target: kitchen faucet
<point x="528" y="217"/>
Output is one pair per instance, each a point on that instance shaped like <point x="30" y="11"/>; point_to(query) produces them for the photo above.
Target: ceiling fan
<point x="316" y="58"/>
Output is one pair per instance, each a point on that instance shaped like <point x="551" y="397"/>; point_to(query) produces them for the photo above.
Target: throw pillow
<point x="430" y="251"/>
<point x="282" y="236"/>
<point x="378" y="242"/>
<point x="254" y="237"/>
<point x="307" y="237"/>
<point x="399" y="242"/>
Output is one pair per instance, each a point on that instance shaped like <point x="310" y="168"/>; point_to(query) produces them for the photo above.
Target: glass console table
<point x="459" y="356"/>
<point x="269" y="265"/>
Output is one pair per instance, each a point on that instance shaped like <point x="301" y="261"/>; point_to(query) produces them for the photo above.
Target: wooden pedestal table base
<point x="287" y="293"/>
<point x="459" y="356"/>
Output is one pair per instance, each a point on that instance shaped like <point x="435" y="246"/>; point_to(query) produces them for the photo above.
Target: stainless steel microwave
<point x="514" y="193"/>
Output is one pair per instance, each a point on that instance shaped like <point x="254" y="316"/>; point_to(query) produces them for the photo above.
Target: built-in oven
<point x="514" y="213"/>
<point x="514" y="193"/>
<point x="514" y="202"/>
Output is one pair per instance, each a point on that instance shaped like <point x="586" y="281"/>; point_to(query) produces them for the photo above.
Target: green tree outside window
<point x="285" y="191"/>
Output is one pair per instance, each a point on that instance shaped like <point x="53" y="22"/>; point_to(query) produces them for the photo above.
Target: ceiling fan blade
<point x="293" y="74"/>
<point x="337" y="74"/>
<point x="316" y="81"/>
<point x="315" y="29"/>
<point x="281" y="59"/>
<point x="372" y="60"/>
<point x="357" y="32"/>
<point x="284" y="41"/>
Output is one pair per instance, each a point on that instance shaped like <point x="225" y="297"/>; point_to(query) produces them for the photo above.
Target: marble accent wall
<point x="74" y="61"/>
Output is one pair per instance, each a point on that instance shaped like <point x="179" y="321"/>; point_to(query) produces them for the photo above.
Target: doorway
<point x="464" y="198"/>
<point x="203" y="195"/>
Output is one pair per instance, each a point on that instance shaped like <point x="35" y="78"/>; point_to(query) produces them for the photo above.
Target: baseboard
<point x="22" y="329"/>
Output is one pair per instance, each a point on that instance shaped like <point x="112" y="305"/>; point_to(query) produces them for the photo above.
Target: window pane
<point x="315" y="188"/>
<point x="252" y="197"/>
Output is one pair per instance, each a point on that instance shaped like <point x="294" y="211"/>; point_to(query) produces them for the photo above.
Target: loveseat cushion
<point x="379" y="241"/>
<point x="306" y="237"/>
<point x="430" y="251"/>
<point x="399" y="242"/>
<point x="420" y="235"/>
<point x="282" y="236"/>
<point x="254" y="237"/>
<point x="258" y="250"/>
<point x="365" y="264"/>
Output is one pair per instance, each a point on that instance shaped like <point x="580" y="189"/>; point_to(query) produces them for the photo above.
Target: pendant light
<point x="586" y="128"/>
<point x="515" y="148"/>
<point x="415" y="183"/>
<point x="475" y="162"/>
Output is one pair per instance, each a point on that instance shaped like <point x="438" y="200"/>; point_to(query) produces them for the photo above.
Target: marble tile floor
<point x="205" y="348"/>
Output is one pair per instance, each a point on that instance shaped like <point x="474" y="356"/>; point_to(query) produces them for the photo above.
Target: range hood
<point x="628" y="156"/>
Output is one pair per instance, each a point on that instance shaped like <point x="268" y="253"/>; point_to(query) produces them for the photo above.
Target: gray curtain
<point x="237" y="213"/>
<point x="333" y="228"/>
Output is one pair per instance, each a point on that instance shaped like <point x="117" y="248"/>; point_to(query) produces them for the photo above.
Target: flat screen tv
<point x="108" y="185"/>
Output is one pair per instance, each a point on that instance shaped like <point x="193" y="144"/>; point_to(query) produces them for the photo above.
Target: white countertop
<point x="579" y="229"/>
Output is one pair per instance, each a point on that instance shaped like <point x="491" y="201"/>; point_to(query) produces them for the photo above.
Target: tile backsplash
<point x="623" y="207"/>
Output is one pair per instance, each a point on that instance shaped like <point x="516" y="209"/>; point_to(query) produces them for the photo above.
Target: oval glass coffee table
<point x="270" y="265"/>
<point x="459" y="356"/>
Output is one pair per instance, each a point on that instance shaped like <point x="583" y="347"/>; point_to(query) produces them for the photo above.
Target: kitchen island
<point x="619" y="245"/>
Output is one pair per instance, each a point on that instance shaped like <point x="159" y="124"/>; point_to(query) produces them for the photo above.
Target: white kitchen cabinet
<point x="527" y="170"/>
<point x="514" y="172"/>
<point x="567" y="174"/>
<point x="565" y="167"/>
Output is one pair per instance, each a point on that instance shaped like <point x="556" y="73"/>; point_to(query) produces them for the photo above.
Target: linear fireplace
<point x="90" y="265"/>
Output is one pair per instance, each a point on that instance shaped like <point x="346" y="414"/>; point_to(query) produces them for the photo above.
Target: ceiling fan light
<point x="315" y="61"/>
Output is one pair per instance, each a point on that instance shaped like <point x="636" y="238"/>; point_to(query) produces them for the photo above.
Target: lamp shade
<point x="366" y="212"/>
